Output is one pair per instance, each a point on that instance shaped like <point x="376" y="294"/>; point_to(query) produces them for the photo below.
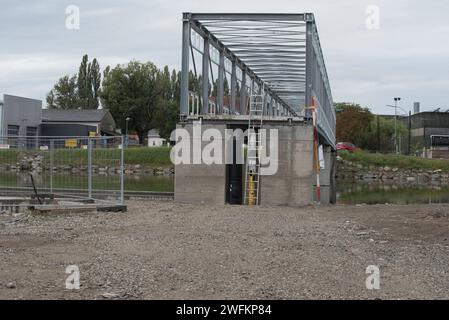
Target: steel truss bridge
<point x="227" y="57"/>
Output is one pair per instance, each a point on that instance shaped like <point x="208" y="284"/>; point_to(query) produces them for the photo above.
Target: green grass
<point x="8" y="156"/>
<point x="155" y="156"/>
<point x="392" y="160"/>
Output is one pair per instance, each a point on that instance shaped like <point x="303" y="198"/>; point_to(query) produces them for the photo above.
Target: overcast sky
<point x="408" y="56"/>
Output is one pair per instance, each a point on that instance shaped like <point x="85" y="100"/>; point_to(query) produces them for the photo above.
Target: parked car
<point x="346" y="146"/>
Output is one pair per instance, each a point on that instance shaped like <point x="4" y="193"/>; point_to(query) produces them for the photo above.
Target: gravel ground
<point x="163" y="250"/>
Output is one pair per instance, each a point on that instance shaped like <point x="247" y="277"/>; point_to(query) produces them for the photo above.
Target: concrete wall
<point x="201" y="183"/>
<point x="327" y="177"/>
<point x="22" y="112"/>
<point x="1" y="118"/>
<point x="292" y="184"/>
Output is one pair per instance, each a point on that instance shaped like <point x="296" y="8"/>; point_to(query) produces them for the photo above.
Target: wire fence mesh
<point x="85" y="167"/>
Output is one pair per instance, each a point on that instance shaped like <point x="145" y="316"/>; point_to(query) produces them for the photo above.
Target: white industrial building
<point x="154" y="139"/>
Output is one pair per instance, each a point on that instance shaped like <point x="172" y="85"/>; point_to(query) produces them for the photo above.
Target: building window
<point x="31" y="131"/>
<point x="31" y="137"/>
<point x="13" y="131"/>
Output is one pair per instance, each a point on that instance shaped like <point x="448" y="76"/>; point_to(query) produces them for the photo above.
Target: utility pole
<point x="409" y="131"/>
<point x="126" y="132"/>
<point x="378" y="133"/>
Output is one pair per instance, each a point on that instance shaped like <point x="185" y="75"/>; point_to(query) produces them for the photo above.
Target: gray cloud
<point x="406" y="57"/>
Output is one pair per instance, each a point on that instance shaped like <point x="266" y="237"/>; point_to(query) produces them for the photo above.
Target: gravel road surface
<point x="164" y="250"/>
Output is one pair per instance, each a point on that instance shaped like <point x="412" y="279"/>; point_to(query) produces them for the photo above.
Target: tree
<point x="83" y="83"/>
<point x="195" y="83"/>
<point x="226" y="89"/>
<point x="383" y="133"/>
<point x="370" y="132"/>
<point x="89" y="82"/>
<point x="51" y="103"/>
<point x="165" y="117"/>
<point x="133" y="90"/>
<point x="353" y="122"/>
<point x="175" y="82"/>
<point x="165" y="82"/>
<point x="64" y="94"/>
<point x="95" y="81"/>
<point x="140" y="91"/>
<point x="87" y="88"/>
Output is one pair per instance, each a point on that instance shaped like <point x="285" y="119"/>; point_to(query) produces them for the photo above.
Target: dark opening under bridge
<point x="254" y="71"/>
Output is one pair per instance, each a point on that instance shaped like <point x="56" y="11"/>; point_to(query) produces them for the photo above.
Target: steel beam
<point x="249" y="17"/>
<point x="267" y="51"/>
<point x="233" y="86"/>
<point x="259" y="56"/>
<point x="265" y="100"/>
<point x="266" y="46"/>
<point x="220" y="91"/>
<point x="270" y="106"/>
<point x="309" y="61"/>
<point x="184" y="94"/>
<point x="205" y="77"/>
<point x="203" y="32"/>
<point x="243" y="93"/>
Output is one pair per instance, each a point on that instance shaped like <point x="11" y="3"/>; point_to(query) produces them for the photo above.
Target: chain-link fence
<point x="79" y="167"/>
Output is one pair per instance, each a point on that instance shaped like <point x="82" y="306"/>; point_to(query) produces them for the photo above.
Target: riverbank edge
<point x="353" y="171"/>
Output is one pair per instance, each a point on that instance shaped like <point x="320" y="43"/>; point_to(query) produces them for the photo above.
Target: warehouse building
<point x="77" y="123"/>
<point x="19" y="116"/>
<point x="24" y="124"/>
<point x="429" y="132"/>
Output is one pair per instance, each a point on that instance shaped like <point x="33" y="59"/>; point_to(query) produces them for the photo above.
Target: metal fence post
<point x="122" y="173"/>
<point x="89" y="166"/>
<point x="52" y="156"/>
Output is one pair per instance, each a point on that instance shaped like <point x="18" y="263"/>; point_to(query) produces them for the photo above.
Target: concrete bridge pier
<point x="327" y="177"/>
<point x="292" y="181"/>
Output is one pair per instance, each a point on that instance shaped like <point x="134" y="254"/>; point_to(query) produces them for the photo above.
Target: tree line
<point x="367" y="131"/>
<point x="77" y="91"/>
<point x="150" y="98"/>
<point x="142" y="92"/>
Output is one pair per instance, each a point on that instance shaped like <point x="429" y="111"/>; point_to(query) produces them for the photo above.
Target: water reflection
<point x="155" y="183"/>
<point x="374" y="193"/>
<point x="347" y="192"/>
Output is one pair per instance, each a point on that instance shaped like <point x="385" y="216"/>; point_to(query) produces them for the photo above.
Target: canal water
<point x="381" y="193"/>
<point x="347" y="193"/>
<point x="154" y="183"/>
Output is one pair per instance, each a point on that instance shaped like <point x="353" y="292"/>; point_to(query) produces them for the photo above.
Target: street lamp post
<point x="395" y="120"/>
<point x="405" y="113"/>
<point x="126" y="132"/>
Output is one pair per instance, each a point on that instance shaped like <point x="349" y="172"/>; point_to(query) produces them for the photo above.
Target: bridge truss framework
<point x="226" y="57"/>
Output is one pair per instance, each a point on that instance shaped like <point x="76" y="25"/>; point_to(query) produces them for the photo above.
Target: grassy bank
<point x="392" y="160"/>
<point x="149" y="157"/>
<point x="155" y="156"/>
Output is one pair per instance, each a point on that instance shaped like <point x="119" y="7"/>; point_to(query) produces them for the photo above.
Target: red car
<point x="346" y="146"/>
